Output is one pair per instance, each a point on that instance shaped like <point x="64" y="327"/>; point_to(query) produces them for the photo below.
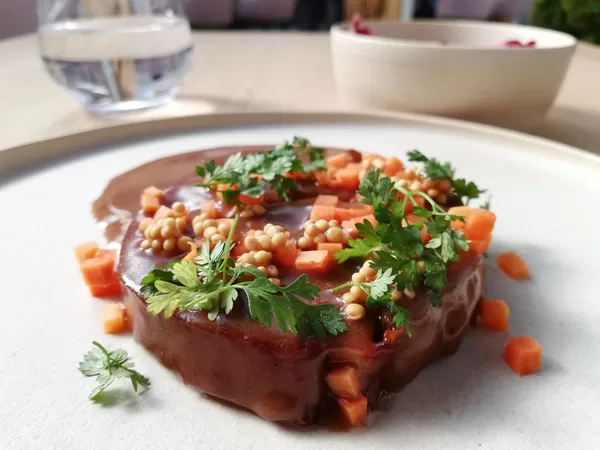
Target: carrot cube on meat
<point x="338" y="161"/>
<point x="324" y="212"/>
<point x="494" y="314"/>
<point x="312" y="261"/>
<point x="348" y="178"/>
<point x="99" y="270"/>
<point x="480" y="247"/>
<point x="150" y="204"/>
<point x="86" y="250"/>
<point x="327" y="200"/>
<point x="523" y="354"/>
<point x="479" y="224"/>
<point x="344" y="382"/>
<point x="512" y="265"/>
<point x="114" y="319"/>
<point x="354" y="410"/>
<point x="330" y="248"/>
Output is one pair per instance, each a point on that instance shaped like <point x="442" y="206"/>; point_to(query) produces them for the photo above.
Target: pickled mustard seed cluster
<point x="322" y="231"/>
<point x="166" y="231"/>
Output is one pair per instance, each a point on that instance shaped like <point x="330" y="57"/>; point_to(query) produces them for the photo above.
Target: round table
<point x="250" y="71"/>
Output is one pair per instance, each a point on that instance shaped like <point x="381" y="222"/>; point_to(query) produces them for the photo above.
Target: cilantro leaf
<point x="107" y="366"/>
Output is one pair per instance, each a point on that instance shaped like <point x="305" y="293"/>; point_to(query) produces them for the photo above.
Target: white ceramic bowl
<point x="404" y="66"/>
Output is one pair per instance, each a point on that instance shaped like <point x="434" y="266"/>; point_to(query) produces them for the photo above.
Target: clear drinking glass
<point x="115" y="55"/>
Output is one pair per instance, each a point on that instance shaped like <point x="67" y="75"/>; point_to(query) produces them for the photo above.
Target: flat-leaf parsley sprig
<point x="107" y="366"/>
<point x="233" y="178"/>
<point x="436" y="170"/>
<point x="398" y="253"/>
<point x="213" y="283"/>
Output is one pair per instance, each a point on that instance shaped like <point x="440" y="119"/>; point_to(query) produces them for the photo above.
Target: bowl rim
<point x="342" y="29"/>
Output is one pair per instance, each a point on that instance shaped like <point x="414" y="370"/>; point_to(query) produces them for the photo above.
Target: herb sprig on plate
<point x="249" y="175"/>
<point x="395" y="245"/>
<point x="436" y="170"/>
<point x="108" y="366"/>
<point x="212" y="282"/>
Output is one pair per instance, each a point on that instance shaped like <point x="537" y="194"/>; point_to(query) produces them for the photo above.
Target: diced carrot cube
<point x="425" y="236"/>
<point x="286" y="256"/>
<point x="114" y="319"/>
<point x="355" y="410"/>
<point x="154" y="192"/>
<point x="246" y="199"/>
<point x="494" y="314"/>
<point x="111" y="288"/>
<point x="350" y="225"/>
<point x="324" y="212"/>
<point x="210" y="208"/>
<point x="327" y="200"/>
<point x="348" y="178"/>
<point x="460" y="211"/>
<point x="523" y="354"/>
<point x="480" y="247"/>
<point x="352" y="210"/>
<point x="86" y="250"/>
<point x="392" y="166"/>
<point x="479" y="224"/>
<point x="344" y="382"/>
<point x="312" y="261"/>
<point x="338" y="161"/>
<point x="331" y="248"/>
<point x="371" y="156"/>
<point x="99" y="270"/>
<point x="150" y="204"/>
<point x="513" y="265"/>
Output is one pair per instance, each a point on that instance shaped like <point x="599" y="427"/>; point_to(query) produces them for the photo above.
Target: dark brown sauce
<point x="277" y="375"/>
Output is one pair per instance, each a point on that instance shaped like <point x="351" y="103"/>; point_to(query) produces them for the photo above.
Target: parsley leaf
<point x="213" y="283"/>
<point x="436" y="170"/>
<point x="107" y="366"/>
<point x="234" y="177"/>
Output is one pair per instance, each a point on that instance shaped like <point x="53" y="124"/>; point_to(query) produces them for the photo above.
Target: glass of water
<point x="115" y="55"/>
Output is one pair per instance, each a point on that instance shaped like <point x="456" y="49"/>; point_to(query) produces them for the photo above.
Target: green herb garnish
<point x="399" y="255"/>
<point x="213" y="283"/>
<point x="268" y="168"/>
<point x="107" y="366"/>
<point x="436" y="170"/>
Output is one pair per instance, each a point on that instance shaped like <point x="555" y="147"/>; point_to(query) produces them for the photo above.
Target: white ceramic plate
<point x="546" y="197"/>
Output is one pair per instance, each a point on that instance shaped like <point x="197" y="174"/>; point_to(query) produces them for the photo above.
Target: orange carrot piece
<point x="210" y="208"/>
<point x="371" y="156"/>
<point x="355" y="411"/>
<point x="513" y="265"/>
<point x="322" y="212"/>
<point x="479" y="224"/>
<point x="114" y="318"/>
<point x="348" y="178"/>
<point x="392" y="166"/>
<point x="480" y="247"/>
<point x="192" y="253"/>
<point x="494" y="314"/>
<point x="247" y="200"/>
<point x="350" y="225"/>
<point x="99" y="270"/>
<point x="523" y="354"/>
<point x="86" y="250"/>
<point x="312" y="261"/>
<point x="286" y="256"/>
<point x="343" y="382"/>
<point x="111" y="288"/>
<point x="327" y="200"/>
<point x="154" y="192"/>
<point x="150" y="204"/>
<point x="338" y="161"/>
<point x="331" y="249"/>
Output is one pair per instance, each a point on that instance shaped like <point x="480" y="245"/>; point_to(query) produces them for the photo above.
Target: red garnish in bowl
<point x="517" y="44"/>
<point x="358" y="27"/>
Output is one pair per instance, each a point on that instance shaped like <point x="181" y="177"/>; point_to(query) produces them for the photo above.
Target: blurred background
<point x="578" y="17"/>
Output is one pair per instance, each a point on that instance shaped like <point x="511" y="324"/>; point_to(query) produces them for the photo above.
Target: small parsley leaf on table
<point x="108" y="366"/>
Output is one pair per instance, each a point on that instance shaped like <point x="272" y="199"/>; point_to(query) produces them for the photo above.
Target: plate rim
<point x="18" y="160"/>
